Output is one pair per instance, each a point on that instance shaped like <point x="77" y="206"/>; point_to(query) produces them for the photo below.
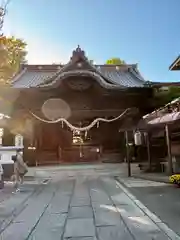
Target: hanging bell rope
<point x="74" y="128"/>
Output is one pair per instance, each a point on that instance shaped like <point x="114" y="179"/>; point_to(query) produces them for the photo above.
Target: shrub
<point x="175" y="179"/>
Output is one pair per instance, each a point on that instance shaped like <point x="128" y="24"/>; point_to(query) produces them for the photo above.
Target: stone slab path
<point x="78" y="207"/>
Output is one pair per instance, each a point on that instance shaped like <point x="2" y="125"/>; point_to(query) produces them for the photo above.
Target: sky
<point x="137" y="31"/>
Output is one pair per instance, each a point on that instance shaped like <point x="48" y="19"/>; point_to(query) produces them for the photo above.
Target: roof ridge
<point x="114" y="65"/>
<point x="62" y="65"/>
<point x="42" y="64"/>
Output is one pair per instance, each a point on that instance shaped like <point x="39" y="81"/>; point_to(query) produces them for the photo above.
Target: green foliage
<point x="164" y="97"/>
<point x="115" y="61"/>
<point x="12" y="54"/>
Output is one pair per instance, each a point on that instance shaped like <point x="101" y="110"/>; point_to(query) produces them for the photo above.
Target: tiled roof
<point x="174" y="104"/>
<point x="121" y="75"/>
<point x="175" y="65"/>
<point x="109" y="76"/>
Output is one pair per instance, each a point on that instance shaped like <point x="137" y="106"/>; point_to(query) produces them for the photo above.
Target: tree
<point x="12" y="55"/>
<point x="115" y="61"/>
<point x="163" y="97"/>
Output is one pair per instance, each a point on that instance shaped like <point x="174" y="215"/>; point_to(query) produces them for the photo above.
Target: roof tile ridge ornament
<point x="78" y="54"/>
<point x="75" y="53"/>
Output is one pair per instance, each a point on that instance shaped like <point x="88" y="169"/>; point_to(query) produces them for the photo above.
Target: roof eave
<point x="18" y="75"/>
<point x="175" y="65"/>
<point x="165" y="84"/>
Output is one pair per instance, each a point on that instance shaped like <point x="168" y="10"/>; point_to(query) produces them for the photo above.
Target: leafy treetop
<point x="12" y="55"/>
<point x="115" y="61"/>
<point x="164" y="97"/>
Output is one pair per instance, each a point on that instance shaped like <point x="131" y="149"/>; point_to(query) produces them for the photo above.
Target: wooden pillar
<point x="38" y="133"/>
<point x="170" y="167"/>
<point x="148" y="149"/>
<point x="127" y="154"/>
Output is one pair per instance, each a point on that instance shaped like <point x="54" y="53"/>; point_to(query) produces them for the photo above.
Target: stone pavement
<point x="80" y="204"/>
<point x="5" y="193"/>
<point x="159" y="177"/>
<point x="116" y="169"/>
<point x="160" y="198"/>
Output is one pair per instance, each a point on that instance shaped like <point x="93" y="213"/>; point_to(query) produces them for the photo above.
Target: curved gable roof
<point x="121" y="75"/>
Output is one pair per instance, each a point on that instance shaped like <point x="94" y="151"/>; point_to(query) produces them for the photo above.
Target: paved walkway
<point x="159" y="177"/>
<point x="116" y="169"/>
<point x="160" y="198"/>
<point x="79" y="204"/>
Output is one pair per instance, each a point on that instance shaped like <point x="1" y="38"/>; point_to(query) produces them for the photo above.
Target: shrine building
<point x="56" y="106"/>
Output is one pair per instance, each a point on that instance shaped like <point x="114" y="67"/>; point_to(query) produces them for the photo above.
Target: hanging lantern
<point x="1" y="132"/>
<point x="19" y="141"/>
<point x="138" y="138"/>
<point x="62" y="124"/>
<point x="1" y="135"/>
<point x="97" y="124"/>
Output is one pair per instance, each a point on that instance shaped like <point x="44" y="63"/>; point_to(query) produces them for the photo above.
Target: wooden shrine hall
<point x="78" y="92"/>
